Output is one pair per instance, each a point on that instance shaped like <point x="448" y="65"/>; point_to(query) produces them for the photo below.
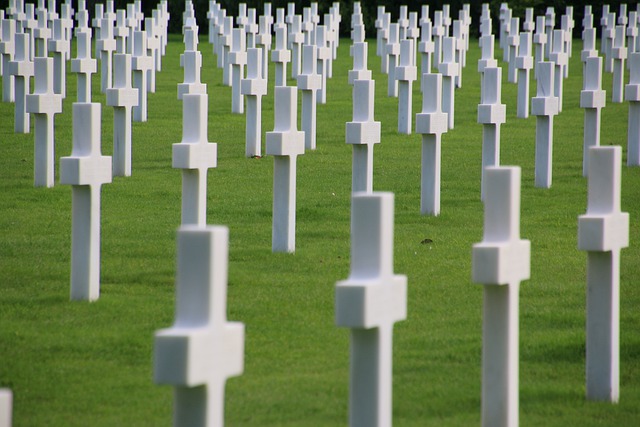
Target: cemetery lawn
<point x="90" y="364"/>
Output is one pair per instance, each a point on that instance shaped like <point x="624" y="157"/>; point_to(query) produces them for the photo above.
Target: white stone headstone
<point x="106" y="45"/>
<point x="7" y="49"/>
<point x="280" y="56"/>
<point x="86" y="170"/>
<point x="393" y="53"/>
<point x="362" y="133"/>
<point x="487" y="59"/>
<point x="369" y="302"/>
<point x="632" y="94"/>
<point x="309" y="83"/>
<point x="238" y="60"/>
<point x="254" y="87"/>
<point x="406" y="73"/>
<point x="592" y="99"/>
<point x="544" y="106"/>
<point x="296" y="39"/>
<point x="609" y="32"/>
<point x="550" y="25"/>
<point x="500" y="262"/>
<point x="426" y="46"/>
<point x="491" y="114"/>
<point x="619" y="55"/>
<point x="602" y="232"/>
<point x="195" y="156"/>
<point x="141" y="63"/>
<point x="560" y="58"/>
<point x="359" y="71"/>
<point x="42" y="33"/>
<point x="84" y="65"/>
<point x="513" y="44"/>
<point x="122" y="97"/>
<point x="384" y="39"/>
<point x="323" y="52"/>
<point x="192" y="63"/>
<point x="6" y="407"/>
<point x="60" y="48"/>
<point x="539" y="43"/>
<point x="21" y="68"/>
<point x="285" y="144"/>
<point x="44" y="104"/>
<point x="431" y="123"/>
<point x="524" y="64"/>
<point x="449" y="69"/>
<point x="263" y="41"/>
<point x="121" y="31"/>
<point x="202" y="349"/>
<point x="589" y="49"/>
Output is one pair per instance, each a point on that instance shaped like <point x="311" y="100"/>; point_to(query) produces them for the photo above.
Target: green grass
<point x="80" y="364"/>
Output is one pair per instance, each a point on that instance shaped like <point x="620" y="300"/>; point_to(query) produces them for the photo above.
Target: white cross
<point x="632" y="94"/>
<point x="263" y="41"/>
<point x="140" y="64"/>
<point x="487" y="59"/>
<point x="6" y="407"/>
<point x="609" y="36"/>
<point x="195" y="156"/>
<point x="44" y="104"/>
<point x="559" y="57"/>
<point x="60" y="49"/>
<point x="362" y="133"/>
<point x="544" y="106"/>
<point x="550" y="23"/>
<point x="21" y="68"/>
<point x="309" y="82"/>
<point x="425" y="47"/>
<point x="29" y="25"/>
<point x="619" y="55"/>
<point x="153" y="50"/>
<point x="540" y="43"/>
<point x="238" y="60"/>
<point x="227" y="40"/>
<point x="603" y="231"/>
<point x="406" y="73"/>
<point x="251" y="28"/>
<point x="379" y="24"/>
<point x="285" y="143"/>
<point x="359" y="71"/>
<point x="7" y="49"/>
<point x="632" y="33"/>
<point x="431" y="123"/>
<point x="121" y="32"/>
<point x="106" y="45"/>
<point x="192" y="63"/>
<point x="589" y="49"/>
<point x="393" y="52"/>
<point x="86" y="170"/>
<point x="592" y="99"/>
<point x="122" y="97"/>
<point x="513" y="43"/>
<point x="529" y="25"/>
<point x="384" y="38"/>
<point x="449" y="69"/>
<point x="254" y="87"/>
<point x="296" y="39"/>
<point x="97" y="21"/>
<point x="491" y="114"/>
<point x="84" y="65"/>
<point x="323" y="55"/>
<point x="500" y="262"/>
<point x="202" y="349"/>
<point x="369" y="302"/>
<point x="524" y="64"/>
